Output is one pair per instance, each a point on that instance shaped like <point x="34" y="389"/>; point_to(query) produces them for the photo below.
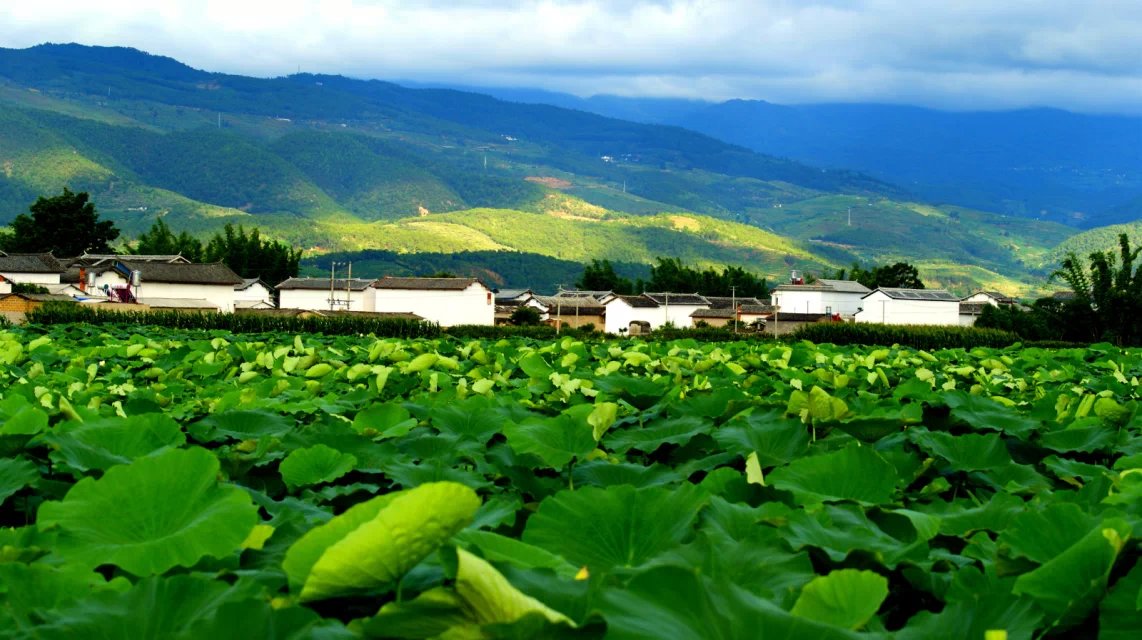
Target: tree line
<point x="670" y="274"/>
<point x="68" y="225"/>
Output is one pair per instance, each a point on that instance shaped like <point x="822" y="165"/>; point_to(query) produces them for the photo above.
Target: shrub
<point x="915" y="336"/>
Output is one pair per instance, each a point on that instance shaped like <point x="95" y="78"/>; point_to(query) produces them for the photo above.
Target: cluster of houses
<point x="173" y="283"/>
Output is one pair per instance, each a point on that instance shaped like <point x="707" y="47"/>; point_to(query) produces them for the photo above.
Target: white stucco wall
<point x="220" y="295"/>
<point x="793" y="301"/>
<point x="318" y="299"/>
<point x="446" y="307"/>
<point x="879" y="308"/>
<point x="255" y="293"/>
<point x="5" y="287"/>
<point x="620" y="315"/>
<point x="982" y="297"/>
<point x="41" y="279"/>
<point x="967" y="320"/>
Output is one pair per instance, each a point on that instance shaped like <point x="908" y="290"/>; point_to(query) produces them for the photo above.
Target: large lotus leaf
<point x="856" y="473"/>
<point x="1120" y="612"/>
<point x="985" y="413"/>
<point x="158" y="512"/>
<point x="969" y="452"/>
<point x="29" y="590"/>
<point x="15" y="474"/>
<point x="240" y="424"/>
<point x="259" y="619"/>
<point x="383" y="420"/>
<point x="1100" y="437"/>
<point x="602" y="473"/>
<point x="614" y="527"/>
<point x="775" y="438"/>
<point x="1071" y="584"/>
<point x="308" y="549"/>
<point x="649" y="437"/>
<point x="156" y="607"/>
<point x="840" y="530"/>
<point x="102" y="444"/>
<point x="431" y="614"/>
<point x="962" y="517"/>
<point x="1018" y="618"/>
<point x="369" y="553"/>
<point x="640" y="392"/>
<point x="20" y="418"/>
<point x="676" y="603"/>
<point x="316" y="464"/>
<point x="474" y="418"/>
<point x="846" y="598"/>
<point x="521" y="554"/>
<point x="490" y="598"/>
<point x="1043" y="535"/>
<point x="556" y="440"/>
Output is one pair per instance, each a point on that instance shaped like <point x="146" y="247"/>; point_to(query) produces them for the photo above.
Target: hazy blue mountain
<point x="1080" y="169"/>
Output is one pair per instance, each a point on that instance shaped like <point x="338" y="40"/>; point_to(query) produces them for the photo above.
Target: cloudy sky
<point x="1083" y="55"/>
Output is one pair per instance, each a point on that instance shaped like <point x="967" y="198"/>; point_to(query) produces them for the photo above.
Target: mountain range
<point x="335" y="164"/>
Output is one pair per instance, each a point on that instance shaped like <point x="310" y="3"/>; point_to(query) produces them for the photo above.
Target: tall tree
<point x="1108" y="293"/>
<point x="250" y="256"/>
<point x="670" y="274"/>
<point x="160" y="240"/>
<point x="66" y="225"/>
<point x="900" y="275"/>
<point x="600" y="275"/>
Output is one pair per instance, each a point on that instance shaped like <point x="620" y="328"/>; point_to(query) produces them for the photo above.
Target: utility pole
<point x="348" y="291"/>
<point x="332" y="274"/>
<point x="667" y="307"/>
<point x="850" y="216"/>
<point x="734" y="305"/>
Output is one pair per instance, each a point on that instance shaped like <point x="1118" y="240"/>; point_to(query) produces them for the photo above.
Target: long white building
<point x="909" y="306"/>
<point x="822" y="296"/>
<point x="446" y="301"/>
<point x="323" y="294"/>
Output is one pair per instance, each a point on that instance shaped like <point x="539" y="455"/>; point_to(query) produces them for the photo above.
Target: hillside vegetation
<point x="335" y="164"/>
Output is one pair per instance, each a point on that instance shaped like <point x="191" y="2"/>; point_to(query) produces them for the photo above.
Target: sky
<point x="1080" y="55"/>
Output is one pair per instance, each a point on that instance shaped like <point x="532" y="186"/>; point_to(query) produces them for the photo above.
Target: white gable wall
<point x="793" y="301"/>
<point x="219" y="295"/>
<point x="619" y="315"/>
<point x="879" y="308"/>
<point x="42" y="279"/>
<point x="256" y="292"/>
<point x="318" y="299"/>
<point x="448" y="307"/>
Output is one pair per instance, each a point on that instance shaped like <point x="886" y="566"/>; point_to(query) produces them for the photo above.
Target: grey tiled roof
<point x="30" y="263"/>
<point x="322" y="284"/>
<point x="678" y="298"/>
<point x="435" y="284"/>
<point x="561" y="303"/>
<point x="836" y="286"/>
<point x="174" y="273"/>
<point x="640" y="302"/>
<point x="727" y="302"/>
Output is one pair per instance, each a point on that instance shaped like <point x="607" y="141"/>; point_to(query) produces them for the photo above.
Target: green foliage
<point x="182" y="483"/>
<point x="1107" y="299"/>
<point x="65" y="225"/>
<point x="525" y="315"/>
<point x="160" y="240"/>
<point x="27" y="287"/>
<point x="1028" y="324"/>
<point x="670" y="274"/>
<point x="899" y="275"/>
<point x="251" y="256"/>
<point x="600" y="275"/>
<point x="915" y="336"/>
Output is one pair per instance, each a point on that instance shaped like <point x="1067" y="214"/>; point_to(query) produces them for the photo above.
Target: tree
<point x="899" y="275"/>
<point x="1108" y="293"/>
<point x="252" y="257"/>
<point x="670" y="274"/>
<point x="160" y="240"/>
<point x="66" y="225"/>
<point x="600" y="275"/>
<point x="525" y="315"/>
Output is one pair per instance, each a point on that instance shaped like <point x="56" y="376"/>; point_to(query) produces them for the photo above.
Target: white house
<point x="677" y="307"/>
<point x="323" y="294"/>
<point x="822" y="296"/>
<point x="621" y="311"/>
<point x="994" y="298"/>
<point x="253" y="294"/>
<point x="446" y="301"/>
<point x="212" y="283"/>
<point x="41" y="269"/>
<point x="508" y="300"/>
<point x="909" y="306"/>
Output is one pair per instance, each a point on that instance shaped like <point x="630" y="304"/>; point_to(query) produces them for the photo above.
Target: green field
<point x="183" y="484"/>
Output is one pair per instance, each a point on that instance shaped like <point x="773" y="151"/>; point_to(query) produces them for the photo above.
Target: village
<point x="171" y="282"/>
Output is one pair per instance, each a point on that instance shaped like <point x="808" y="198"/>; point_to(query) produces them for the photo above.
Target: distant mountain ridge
<point x="336" y="164"/>
<point x="1080" y="169"/>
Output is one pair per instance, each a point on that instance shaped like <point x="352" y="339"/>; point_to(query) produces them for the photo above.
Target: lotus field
<point x="176" y="484"/>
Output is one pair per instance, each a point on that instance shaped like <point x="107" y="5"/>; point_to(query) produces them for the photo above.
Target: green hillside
<point x="1099" y="239"/>
<point x="335" y="164"/>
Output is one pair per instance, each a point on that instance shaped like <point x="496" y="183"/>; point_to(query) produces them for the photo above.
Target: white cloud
<point x="1079" y="54"/>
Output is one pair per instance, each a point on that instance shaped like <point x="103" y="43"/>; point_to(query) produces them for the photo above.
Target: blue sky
<point x="1082" y="55"/>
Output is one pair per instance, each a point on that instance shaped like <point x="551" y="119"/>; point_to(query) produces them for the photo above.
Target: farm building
<point x="994" y="298"/>
<point x="323" y="294"/>
<point x="447" y="301"/>
<point x="41" y="269"/>
<point x="574" y="311"/>
<point x="677" y="307"/>
<point x="910" y="306"/>
<point x="822" y="296"/>
<point x="252" y="293"/>
<point x="508" y="300"/>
